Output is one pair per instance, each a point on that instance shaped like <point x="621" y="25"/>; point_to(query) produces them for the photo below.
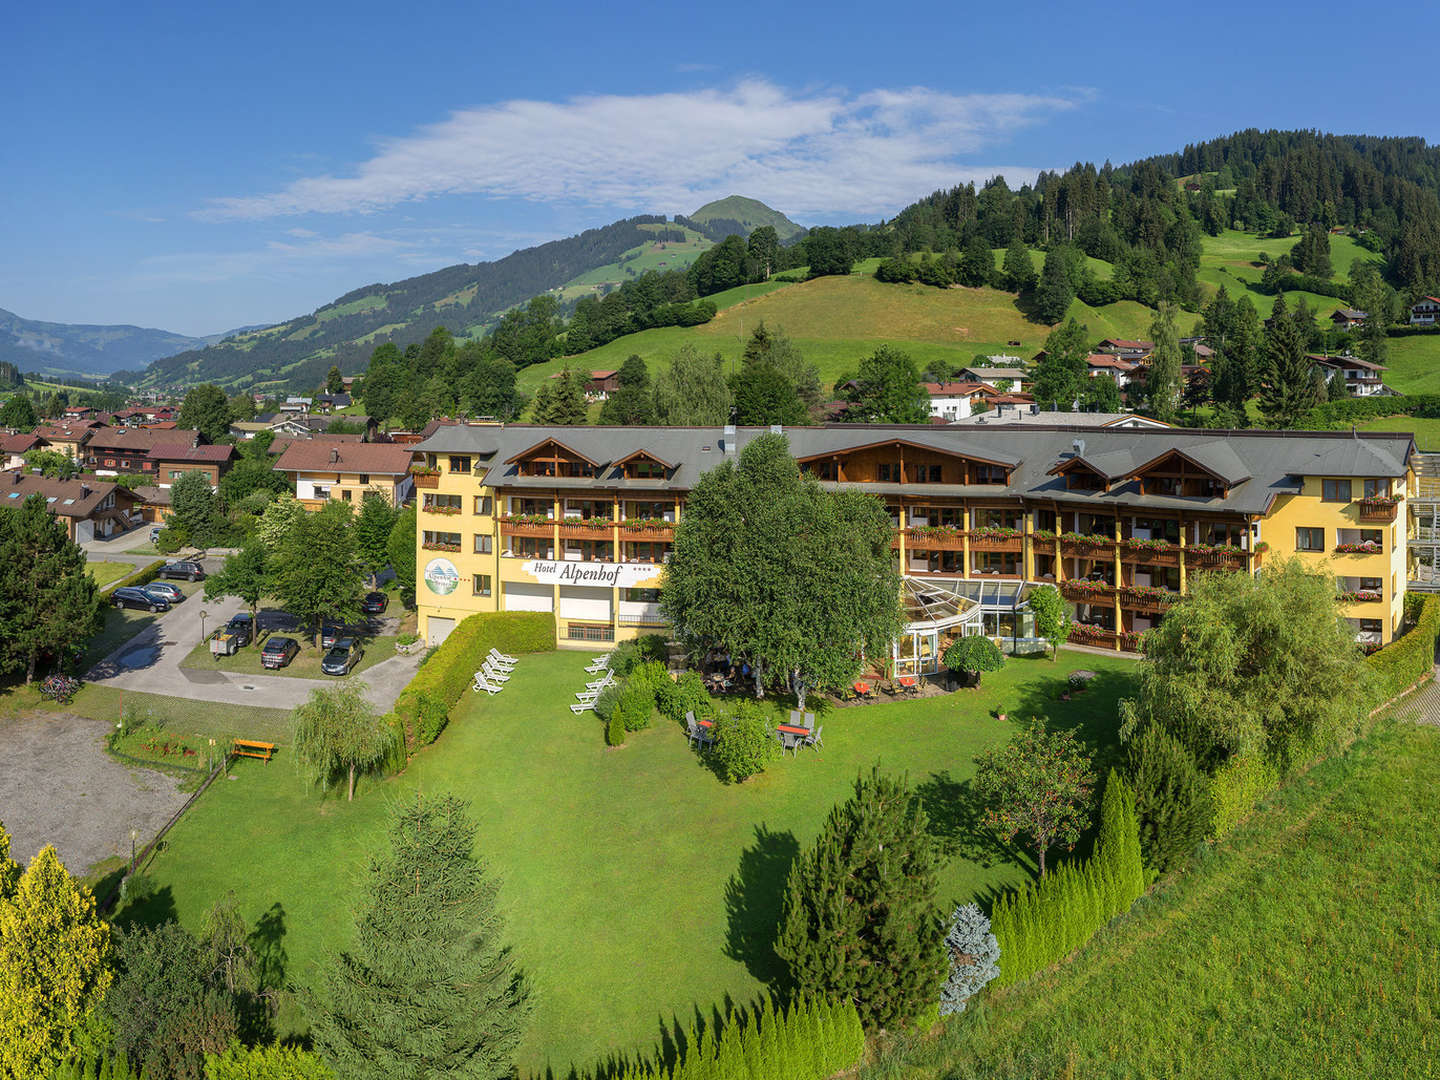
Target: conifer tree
<point x="1171" y="801"/>
<point x="429" y="989"/>
<point x="1163" y="381"/>
<point x="1019" y="266"/>
<point x="1055" y="291"/>
<point x="859" y="921"/>
<point x="1287" y="390"/>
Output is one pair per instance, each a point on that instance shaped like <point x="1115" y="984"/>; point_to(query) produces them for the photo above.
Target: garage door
<point x="84" y="531"/>
<point x="579" y="602"/>
<point x="438" y="629"/>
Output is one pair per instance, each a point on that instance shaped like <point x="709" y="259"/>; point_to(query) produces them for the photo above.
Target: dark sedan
<point x="374" y="603"/>
<point x="330" y="633"/>
<point x="185" y="568"/>
<point x="138" y="598"/>
<point x="278" y="652"/>
<point x="341" y="659"/>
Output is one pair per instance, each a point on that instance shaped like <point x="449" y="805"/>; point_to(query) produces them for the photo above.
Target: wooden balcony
<point x="981" y="540"/>
<point x="1147" y="599"/>
<point x="1087" y="592"/>
<point x="527" y="528"/>
<point x="1087" y="547"/>
<point x="426" y="480"/>
<point x="935" y="538"/>
<point x="1382" y="509"/>
<point x="1217" y="559"/>
<point x="647" y="532"/>
<point x="1098" y="637"/>
<point x="593" y="529"/>
<point x="1150" y="553"/>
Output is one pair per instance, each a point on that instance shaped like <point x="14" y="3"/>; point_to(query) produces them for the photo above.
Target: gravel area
<point x="59" y="786"/>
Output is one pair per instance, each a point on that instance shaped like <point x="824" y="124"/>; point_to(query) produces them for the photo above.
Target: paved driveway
<point x="150" y="662"/>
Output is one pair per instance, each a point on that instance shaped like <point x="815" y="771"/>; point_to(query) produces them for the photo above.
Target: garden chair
<point x="601" y="683"/>
<point x="703" y="735"/>
<point x="587" y="695"/>
<point x="495" y="675"/>
<point x="584" y="706"/>
<point x="815" y="739"/>
<point x="496" y="654"/>
<point x="692" y="729"/>
<point x="790" y="741"/>
<point x="502" y="664"/>
<point x="809" y="721"/>
<point x="795" y="720"/>
<point x="481" y="683"/>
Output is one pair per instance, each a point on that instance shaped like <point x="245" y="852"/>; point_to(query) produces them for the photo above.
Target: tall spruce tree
<point x="1056" y="291"/>
<point x="1163" y="381"/>
<point x="1171" y="798"/>
<point x="373" y="526"/>
<point x="1061" y="374"/>
<point x="1019" y="266"/>
<point x="859" y="920"/>
<point x="1372" y="297"/>
<point x="1287" y="390"/>
<point x="48" y="603"/>
<point x="429" y="989"/>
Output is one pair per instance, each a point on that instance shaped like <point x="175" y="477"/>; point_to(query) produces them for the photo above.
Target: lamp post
<point x="134" y="835"/>
<point x="203" y="613"/>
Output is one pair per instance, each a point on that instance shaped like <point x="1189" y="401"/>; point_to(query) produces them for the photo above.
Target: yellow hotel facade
<point x="579" y="521"/>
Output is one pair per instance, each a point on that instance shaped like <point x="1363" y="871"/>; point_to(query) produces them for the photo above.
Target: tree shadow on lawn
<point x="957" y="821"/>
<point x="753" y="898"/>
<point x="1093" y="713"/>
<point x="676" y="1037"/>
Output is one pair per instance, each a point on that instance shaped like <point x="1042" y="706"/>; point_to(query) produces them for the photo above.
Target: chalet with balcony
<point x="323" y="469"/>
<point x="1425" y="312"/>
<point x="89" y="510"/>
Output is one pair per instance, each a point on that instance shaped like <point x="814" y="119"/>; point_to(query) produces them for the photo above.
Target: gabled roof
<point x="67" y="498"/>
<point x="641" y="454"/>
<point x="1109" y="466"/>
<point x="1215" y="457"/>
<point x="530" y="452"/>
<point x="19" y="443"/>
<point x="1128" y="345"/>
<point x="141" y="439"/>
<point x="1347" y="313"/>
<point x="211" y="454"/>
<point x="331" y="455"/>
<point x="986" y="456"/>
<point x="967" y="388"/>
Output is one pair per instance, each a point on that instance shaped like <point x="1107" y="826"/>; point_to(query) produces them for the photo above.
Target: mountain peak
<point x="751" y="213"/>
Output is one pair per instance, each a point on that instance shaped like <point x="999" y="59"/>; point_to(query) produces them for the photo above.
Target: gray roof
<point x="1257" y="465"/>
<point x="1008" y="414"/>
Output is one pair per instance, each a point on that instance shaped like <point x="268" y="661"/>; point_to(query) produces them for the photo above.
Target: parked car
<point x="155" y="534"/>
<point x="374" y="603"/>
<point x="278" y="652"/>
<point x="129" y="597"/>
<point x="166" y="591"/>
<point x="330" y="633"/>
<point x="242" y="628"/>
<point x="342" y="658"/>
<point x="185" y="568"/>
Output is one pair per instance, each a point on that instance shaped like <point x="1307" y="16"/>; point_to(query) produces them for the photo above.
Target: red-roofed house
<point x="324" y="470"/>
<point x="14" y="448"/>
<point x="600" y="385"/>
<point x="86" y="508"/>
<point x="173" y="462"/>
<point x="956" y="400"/>
<point x="1115" y="367"/>
<point x="67" y="436"/>
<point x="1126" y="347"/>
<point x="1426" y="312"/>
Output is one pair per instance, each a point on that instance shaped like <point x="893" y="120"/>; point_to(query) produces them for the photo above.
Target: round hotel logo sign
<point x="441" y="576"/>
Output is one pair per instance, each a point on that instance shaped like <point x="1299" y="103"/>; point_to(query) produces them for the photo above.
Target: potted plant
<point x="968" y="657"/>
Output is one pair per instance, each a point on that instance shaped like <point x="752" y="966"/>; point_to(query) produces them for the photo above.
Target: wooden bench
<point x="249" y="748"/>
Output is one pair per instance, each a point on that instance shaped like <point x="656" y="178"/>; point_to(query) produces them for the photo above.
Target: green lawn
<point x="1426" y="431"/>
<point x="1414" y="363"/>
<point x="1305" y="945"/>
<point x="306" y="664"/>
<point x="106" y="572"/>
<point x="637" y="887"/>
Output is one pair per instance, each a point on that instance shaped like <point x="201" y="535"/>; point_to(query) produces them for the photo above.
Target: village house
<point x="324" y="469"/>
<point x="1131" y="350"/>
<point x="955" y="400"/>
<point x="1123" y="371"/>
<point x="112" y="450"/>
<point x="1425" y="312"/>
<point x="1362" y="378"/>
<point x="172" y="462"/>
<point x="1000" y="378"/>
<point x="1347" y="318"/>
<point x="13" y="448"/>
<point x="67" y="436"/>
<point x="89" y="509"/>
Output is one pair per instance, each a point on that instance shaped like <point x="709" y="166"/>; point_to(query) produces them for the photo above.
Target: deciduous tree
<point x="1052" y="617"/>
<point x="429" y="988"/>
<point x="337" y="733"/>
<point x="887" y="390"/>
<point x="1037" y="785"/>
<point x="246" y="575"/>
<point x="206" y="409"/>
<point x="632" y="402"/>
<point x="1163" y="381"/>
<point x="400" y="547"/>
<point x="1061" y="374"/>
<point x="316" y="572"/>
<point x="48" y="603"/>
<point x="334" y="381"/>
<point x="18" y="413"/>
<point x="859" y="920"/>
<point x="693" y="390"/>
<point x="1019" y="267"/>
<point x="195" y="511"/>
<point x="373" y="526"/>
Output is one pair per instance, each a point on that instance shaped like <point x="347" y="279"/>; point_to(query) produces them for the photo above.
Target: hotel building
<point x="580" y="521"/>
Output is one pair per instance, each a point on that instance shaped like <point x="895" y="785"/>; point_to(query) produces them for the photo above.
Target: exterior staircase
<point x="1424" y="525"/>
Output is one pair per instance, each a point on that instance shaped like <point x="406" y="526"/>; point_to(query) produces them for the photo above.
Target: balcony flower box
<point x="1369" y="547"/>
<point x="435" y="545"/>
<point x="1084" y="634"/>
<point x="449" y="510"/>
<point x="1147" y="597"/>
<point x="1088" y="544"/>
<point x="426" y="479"/>
<point x="1360" y="596"/>
<point x="1085" y="591"/>
<point x="1130" y="641"/>
<point x="641" y="524"/>
<point x="935" y="537"/>
<point x="594" y="523"/>
<point x="526" y="519"/>
<point x="1045" y="536"/>
<point x="1216" y="556"/>
<point x="996" y="539"/>
<point x="1379" y="507"/>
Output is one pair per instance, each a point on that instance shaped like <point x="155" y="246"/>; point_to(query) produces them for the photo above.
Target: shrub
<point x="171" y="539"/>
<point x="744" y="742"/>
<point x="628" y="655"/>
<point x="973" y="954"/>
<point x="1171" y="797"/>
<point x="407" y="638"/>
<point x="447" y="672"/>
<point x="607" y="702"/>
<point x="686" y="694"/>
<point x="1235" y="788"/>
<point x="1046" y="920"/>
<point x="634" y="704"/>
<point x="615" y="730"/>
<point x="1411" y="657"/>
<point x="265" y="1063"/>
<point x="975" y="653"/>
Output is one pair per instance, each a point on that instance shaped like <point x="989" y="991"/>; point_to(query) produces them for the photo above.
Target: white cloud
<point x="806" y="153"/>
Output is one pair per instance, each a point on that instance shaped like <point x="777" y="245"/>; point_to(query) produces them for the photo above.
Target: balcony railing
<point x="426" y="479"/>
<point x="440" y="508"/>
<point x="1216" y="557"/>
<point x="647" y="529"/>
<point x="1360" y="596"/>
<point x="1154" y="552"/>
<point x="1087" y="592"/>
<point x="1086" y="546"/>
<point x="1147" y="598"/>
<point x="1379" y="508"/>
<point x="586" y="529"/>
<point x="935" y="538"/>
<point x="1081" y="634"/>
<point x="1366" y="547"/>
<point x="521" y="525"/>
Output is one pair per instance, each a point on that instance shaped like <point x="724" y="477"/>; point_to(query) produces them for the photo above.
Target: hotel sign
<point x="605" y="574"/>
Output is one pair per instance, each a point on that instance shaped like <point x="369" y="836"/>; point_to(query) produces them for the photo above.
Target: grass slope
<point x="636" y="886"/>
<point x="1305" y="945"/>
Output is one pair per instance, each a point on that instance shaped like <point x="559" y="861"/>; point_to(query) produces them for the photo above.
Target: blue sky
<point x="198" y="167"/>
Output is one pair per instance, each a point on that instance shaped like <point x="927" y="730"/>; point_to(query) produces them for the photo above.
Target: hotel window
<point x="364" y="478"/>
<point x="482" y="585"/>
<point x="1307" y="539"/>
<point x="641" y="596"/>
<point x="484" y="543"/>
<point x="927" y="474"/>
<point x="1371" y="584"/>
<point x="644" y="470"/>
<point x="1376" y="487"/>
<point x="645" y="551"/>
<point x="989" y="474"/>
<point x="825" y="470"/>
<point x="459" y="463"/>
<point x="1334" y="490"/>
<point x="1372" y="536"/>
<point x="588" y="550"/>
<point x="888" y="472"/>
<point x="531" y="547"/>
<point x="649" y="511"/>
<point x="345" y="494"/>
<point x="483" y="504"/>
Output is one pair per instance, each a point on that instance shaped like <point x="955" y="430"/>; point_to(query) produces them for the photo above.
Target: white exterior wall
<point x="950" y="407"/>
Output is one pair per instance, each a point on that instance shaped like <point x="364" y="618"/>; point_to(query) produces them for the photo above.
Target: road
<point x="150" y="662"/>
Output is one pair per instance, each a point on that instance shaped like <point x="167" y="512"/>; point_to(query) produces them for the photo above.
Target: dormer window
<point x="643" y="465"/>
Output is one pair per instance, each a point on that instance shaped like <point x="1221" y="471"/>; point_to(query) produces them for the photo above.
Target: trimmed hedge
<point x="1044" y="921"/>
<point x="142" y="576"/>
<point x="423" y="707"/>
<point x="1411" y="657"/>
<point x="811" y="1040"/>
<point x="1236" y="787"/>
